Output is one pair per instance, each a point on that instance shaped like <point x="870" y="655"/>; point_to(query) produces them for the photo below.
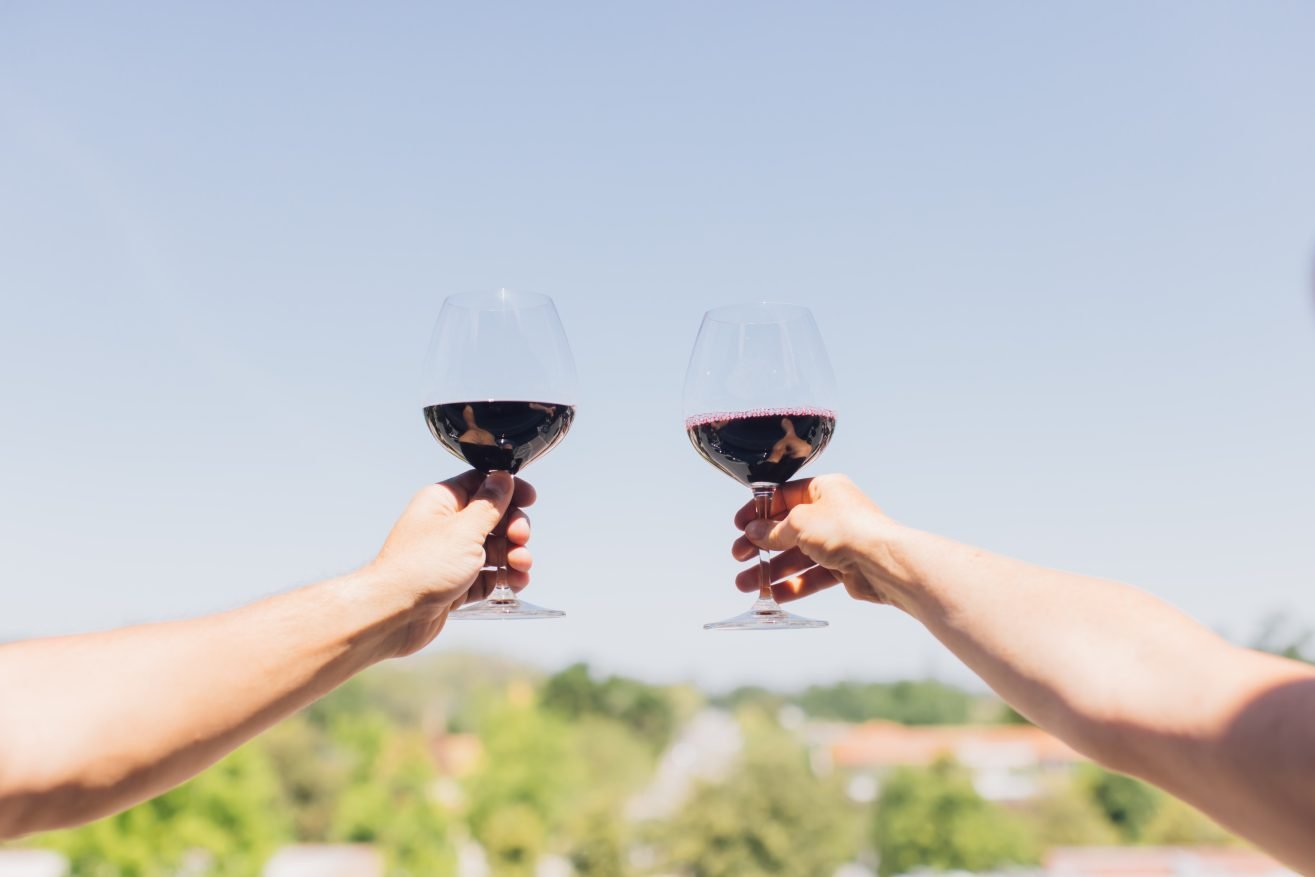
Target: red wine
<point x="493" y="436"/>
<point x="764" y="446"/>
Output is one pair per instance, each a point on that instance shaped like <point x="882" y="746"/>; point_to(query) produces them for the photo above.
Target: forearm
<point x="1110" y="668"/>
<point x="91" y="724"/>
<point x="1126" y="679"/>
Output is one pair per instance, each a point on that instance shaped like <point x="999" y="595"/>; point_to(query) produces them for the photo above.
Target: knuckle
<point x="799" y="517"/>
<point x="819" y="485"/>
<point x="834" y="483"/>
<point x="430" y="493"/>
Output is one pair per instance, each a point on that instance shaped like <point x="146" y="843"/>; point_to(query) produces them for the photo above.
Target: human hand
<point x="829" y="532"/>
<point x="434" y="557"/>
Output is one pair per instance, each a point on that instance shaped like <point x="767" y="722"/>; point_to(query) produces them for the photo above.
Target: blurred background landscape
<point x="474" y="766"/>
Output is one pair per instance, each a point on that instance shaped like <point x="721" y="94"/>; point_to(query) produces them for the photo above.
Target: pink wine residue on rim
<point x="722" y="416"/>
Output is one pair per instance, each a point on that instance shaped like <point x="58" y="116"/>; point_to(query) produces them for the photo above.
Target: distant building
<point x="1161" y="862"/>
<point x="706" y="749"/>
<point x="32" y="863"/>
<point x="553" y="866"/>
<point x="326" y="860"/>
<point x="471" y="859"/>
<point x="854" y="869"/>
<point x="456" y="755"/>
<point x="1004" y="872"/>
<point x="1007" y="762"/>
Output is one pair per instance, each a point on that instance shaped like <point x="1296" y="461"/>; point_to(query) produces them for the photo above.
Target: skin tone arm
<point x="93" y="724"/>
<point x="1121" y="676"/>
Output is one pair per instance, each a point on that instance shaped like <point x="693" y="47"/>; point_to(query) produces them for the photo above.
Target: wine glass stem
<point x="497" y="543"/>
<point x="762" y="501"/>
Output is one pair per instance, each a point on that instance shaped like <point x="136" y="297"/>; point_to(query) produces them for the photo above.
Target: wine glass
<point x="758" y="396"/>
<point x="499" y="389"/>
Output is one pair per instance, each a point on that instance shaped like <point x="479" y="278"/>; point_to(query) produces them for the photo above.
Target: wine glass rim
<point x="500" y="299"/>
<point x="769" y="312"/>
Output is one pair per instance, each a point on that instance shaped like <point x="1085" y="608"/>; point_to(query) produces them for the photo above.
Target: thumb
<point x="489" y="503"/>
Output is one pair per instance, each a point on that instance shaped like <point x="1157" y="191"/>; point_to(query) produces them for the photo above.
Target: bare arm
<point x="92" y="724"/>
<point x="1120" y="675"/>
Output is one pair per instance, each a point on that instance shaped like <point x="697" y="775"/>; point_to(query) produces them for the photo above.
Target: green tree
<point x="1278" y="637"/>
<point x="1128" y="804"/>
<point x="431" y="692"/>
<point x="521" y="795"/>
<point x="912" y="702"/>
<point x="387" y="800"/>
<point x="230" y="814"/>
<point x="599" y="842"/>
<point x="1007" y="715"/>
<point x="933" y="817"/>
<point x="752" y="697"/>
<point x="1177" y="823"/>
<point x="614" y="762"/>
<point x="312" y="771"/>
<point x="1065" y="815"/>
<point x="645" y="709"/>
<point x="771" y="816"/>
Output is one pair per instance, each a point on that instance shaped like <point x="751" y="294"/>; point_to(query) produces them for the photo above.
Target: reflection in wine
<point x="763" y="446"/>
<point x="493" y="436"/>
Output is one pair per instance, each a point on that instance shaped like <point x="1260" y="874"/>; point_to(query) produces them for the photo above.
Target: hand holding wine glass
<point x="436" y="557"/>
<point x="499" y="392"/>
<point x="822" y="526"/>
<point x="758" y="395"/>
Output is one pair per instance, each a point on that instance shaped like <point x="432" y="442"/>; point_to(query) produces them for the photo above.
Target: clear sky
<point x="1061" y="254"/>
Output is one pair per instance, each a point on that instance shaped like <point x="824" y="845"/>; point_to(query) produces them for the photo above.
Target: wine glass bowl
<point x="499" y="387"/>
<point x="758" y="403"/>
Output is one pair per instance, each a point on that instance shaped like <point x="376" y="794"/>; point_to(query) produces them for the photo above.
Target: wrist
<point x="378" y="610"/>
<point x="891" y="555"/>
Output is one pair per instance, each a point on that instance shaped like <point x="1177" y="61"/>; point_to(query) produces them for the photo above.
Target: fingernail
<point x="498" y="482"/>
<point x="757" y="529"/>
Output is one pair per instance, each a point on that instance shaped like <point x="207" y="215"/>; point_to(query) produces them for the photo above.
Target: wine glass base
<point x="497" y="610"/>
<point x="774" y="618"/>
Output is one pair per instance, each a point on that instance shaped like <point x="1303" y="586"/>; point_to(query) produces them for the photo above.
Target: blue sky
<point x="1061" y="255"/>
